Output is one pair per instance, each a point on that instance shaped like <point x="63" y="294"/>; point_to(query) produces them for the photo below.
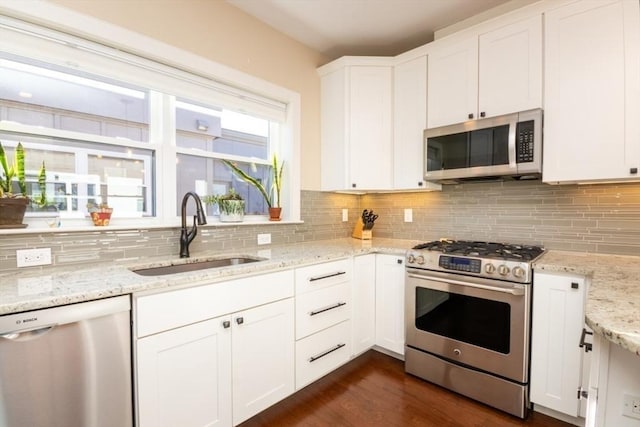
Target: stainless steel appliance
<point x="508" y="146"/>
<point x="67" y="366"/>
<point x="468" y="308"/>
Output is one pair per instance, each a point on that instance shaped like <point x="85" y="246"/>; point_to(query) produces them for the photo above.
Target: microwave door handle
<point x="512" y="291"/>
<point x="513" y="125"/>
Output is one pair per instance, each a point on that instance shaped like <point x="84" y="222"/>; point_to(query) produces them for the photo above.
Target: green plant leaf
<point x="249" y="179"/>
<point x="5" y="183"/>
<point x="19" y="165"/>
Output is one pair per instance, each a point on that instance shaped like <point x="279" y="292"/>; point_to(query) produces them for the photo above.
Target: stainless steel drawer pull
<point x="337" y="273"/>
<point x="331" y="307"/>
<point x="321" y="355"/>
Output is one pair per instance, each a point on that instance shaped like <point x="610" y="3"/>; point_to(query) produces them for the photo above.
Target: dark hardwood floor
<point x="373" y="390"/>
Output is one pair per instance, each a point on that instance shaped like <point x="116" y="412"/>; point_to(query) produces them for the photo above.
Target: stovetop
<point x="492" y="260"/>
<point x="484" y="249"/>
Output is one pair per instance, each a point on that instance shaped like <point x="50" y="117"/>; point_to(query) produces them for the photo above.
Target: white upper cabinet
<point x="510" y="68"/>
<point x="409" y="123"/>
<point x="485" y="75"/>
<point x="592" y="92"/>
<point x="356" y="125"/>
<point x="453" y="82"/>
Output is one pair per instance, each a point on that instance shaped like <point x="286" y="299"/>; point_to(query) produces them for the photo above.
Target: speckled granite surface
<point x="31" y="291"/>
<point x="613" y="299"/>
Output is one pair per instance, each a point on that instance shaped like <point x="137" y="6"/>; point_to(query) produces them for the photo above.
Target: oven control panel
<point x="467" y="265"/>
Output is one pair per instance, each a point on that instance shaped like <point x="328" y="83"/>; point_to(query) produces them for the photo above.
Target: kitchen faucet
<point x="186" y="236"/>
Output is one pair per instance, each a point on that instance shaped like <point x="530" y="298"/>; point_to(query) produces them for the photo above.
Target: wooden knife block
<point x="359" y="232"/>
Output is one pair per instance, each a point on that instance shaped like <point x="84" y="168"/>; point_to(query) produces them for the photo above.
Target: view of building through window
<point x="94" y="135"/>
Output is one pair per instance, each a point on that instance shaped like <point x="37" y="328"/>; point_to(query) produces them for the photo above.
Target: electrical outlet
<point x="264" y="239"/>
<point x="408" y="215"/>
<point x="345" y="215"/>
<point x="631" y="406"/>
<point x="33" y="257"/>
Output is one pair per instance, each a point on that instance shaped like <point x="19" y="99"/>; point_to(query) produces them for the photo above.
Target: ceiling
<point x="363" y="27"/>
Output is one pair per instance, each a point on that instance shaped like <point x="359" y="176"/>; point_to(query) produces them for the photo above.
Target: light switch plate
<point x="631" y="406"/>
<point x="408" y="215"/>
<point x="345" y="215"/>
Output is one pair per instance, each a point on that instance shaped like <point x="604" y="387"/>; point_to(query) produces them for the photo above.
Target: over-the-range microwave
<point x="508" y="146"/>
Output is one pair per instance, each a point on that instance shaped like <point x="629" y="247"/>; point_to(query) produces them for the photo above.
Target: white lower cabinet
<point x="321" y="353"/>
<point x="556" y="358"/>
<point x="214" y="355"/>
<point x="323" y="310"/>
<point x="184" y="376"/>
<point x="390" y="302"/>
<point x="263" y="357"/>
<point x="363" y="295"/>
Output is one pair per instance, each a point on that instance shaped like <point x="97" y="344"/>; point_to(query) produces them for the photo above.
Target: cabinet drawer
<point x="323" y="308"/>
<point x="321" y="353"/>
<point x="323" y="275"/>
<point x="167" y="310"/>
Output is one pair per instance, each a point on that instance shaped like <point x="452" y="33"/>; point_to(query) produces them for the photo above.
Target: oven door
<point x="480" y="323"/>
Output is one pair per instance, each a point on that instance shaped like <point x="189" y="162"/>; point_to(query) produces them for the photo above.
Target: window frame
<point x="141" y="51"/>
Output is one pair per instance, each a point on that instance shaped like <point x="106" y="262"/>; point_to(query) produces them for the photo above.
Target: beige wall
<point x="218" y="31"/>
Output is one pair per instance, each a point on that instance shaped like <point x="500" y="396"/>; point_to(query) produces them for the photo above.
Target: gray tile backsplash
<point x="602" y="218"/>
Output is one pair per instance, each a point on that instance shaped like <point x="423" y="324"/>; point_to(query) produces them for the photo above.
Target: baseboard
<point x="576" y="421"/>
<point x="388" y="352"/>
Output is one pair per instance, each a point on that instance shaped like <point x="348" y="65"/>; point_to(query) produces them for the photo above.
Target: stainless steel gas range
<point x="468" y="309"/>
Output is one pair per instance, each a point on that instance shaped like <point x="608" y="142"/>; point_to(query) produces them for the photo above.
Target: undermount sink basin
<point x="195" y="266"/>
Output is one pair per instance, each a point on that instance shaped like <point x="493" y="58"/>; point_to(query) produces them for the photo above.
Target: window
<point x="119" y="129"/>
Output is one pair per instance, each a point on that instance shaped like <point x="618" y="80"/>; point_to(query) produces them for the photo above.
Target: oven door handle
<point x="512" y="291"/>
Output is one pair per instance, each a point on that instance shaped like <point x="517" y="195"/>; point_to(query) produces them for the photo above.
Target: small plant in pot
<point x="271" y="197"/>
<point x="14" y="204"/>
<point x="231" y="206"/>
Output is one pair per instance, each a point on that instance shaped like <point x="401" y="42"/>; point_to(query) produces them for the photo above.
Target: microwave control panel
<point x="524" y="142"/>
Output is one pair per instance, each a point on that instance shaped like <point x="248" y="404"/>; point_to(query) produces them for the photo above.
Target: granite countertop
<point x="612" y="310"/>
<point x="28" y="290"/>
<point x="613" y="298"/>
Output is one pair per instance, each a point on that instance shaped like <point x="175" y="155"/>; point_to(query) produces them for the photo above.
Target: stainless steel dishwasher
<point x="67" y="366"/>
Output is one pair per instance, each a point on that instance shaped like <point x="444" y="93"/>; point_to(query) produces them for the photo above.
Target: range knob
<point x="518" y="272"/>
<point x="489" y="268"/>
<point x="503" y="270"/>
<point x="411" y="258"/>
<point x="420" y="260"/>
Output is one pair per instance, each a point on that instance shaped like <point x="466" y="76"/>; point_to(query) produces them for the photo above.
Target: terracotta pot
<point x="12" y="212"/>
<point x="274" y="214"/>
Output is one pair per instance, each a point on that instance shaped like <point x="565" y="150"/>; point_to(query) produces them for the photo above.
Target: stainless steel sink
<point x="195" y="266"/>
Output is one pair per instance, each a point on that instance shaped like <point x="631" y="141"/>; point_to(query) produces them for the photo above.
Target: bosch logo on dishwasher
<point x="27" y="320"/>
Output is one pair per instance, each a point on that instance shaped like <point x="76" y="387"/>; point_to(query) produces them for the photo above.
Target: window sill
<point x="39" y="226"/>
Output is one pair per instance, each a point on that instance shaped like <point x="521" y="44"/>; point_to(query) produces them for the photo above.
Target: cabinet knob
<point x="420" y="183"/>
<point x="482" y="114"/>
<point x="470" y="115"/>
<point x="399" y="261"/>
<point x="226" y="324"/>
<point x="575" y="285"/>
<point x="633" y="171"/>
<point x="239" y="320"/>
<point x="353" y="185"/>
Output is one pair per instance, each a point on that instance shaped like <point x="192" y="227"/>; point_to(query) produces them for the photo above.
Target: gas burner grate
<point x="483" y="249"/>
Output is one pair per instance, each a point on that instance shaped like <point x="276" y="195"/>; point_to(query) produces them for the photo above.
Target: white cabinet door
<point x="453" y="83"/>
<point x="592" y="92"/>
<point x="390" y="302"/>
<point x="370" y="112"/>
<point x="363" y="297"/>
<point x="184" y="376"/>
<point x="556" y="359"/>
<point x="263" y="357"/>
<point x="409" y="123"/>
<point x="356" y="128"/>
<point x="510" y="70"/>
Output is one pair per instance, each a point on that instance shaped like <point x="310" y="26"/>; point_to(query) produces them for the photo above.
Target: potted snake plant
<point x="231" y="206"/>
<point x="272" y="196"/>
<point x="14" y="204"/>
